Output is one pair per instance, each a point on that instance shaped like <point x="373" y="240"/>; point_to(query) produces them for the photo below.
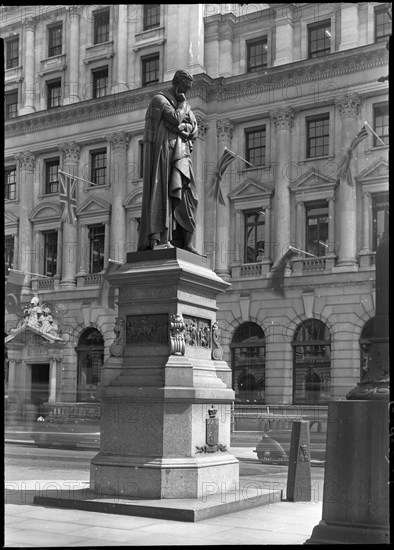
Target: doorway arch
<point x="90" y="353"/>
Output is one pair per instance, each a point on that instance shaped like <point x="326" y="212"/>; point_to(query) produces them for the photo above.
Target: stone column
<point x="72" y="87"/>
<point x="225" y="129"/>
<point x="349" y="25"/>
<point x="120" y="85"/>
<point x="29" y="69"/>
<point x="300" y="228"/>
<point x="198" y="160"/>
<point x="238" y="237"/>
<point x="12" y="389"/>
<point x="331" y="228"/>
<point x="27" y="254"/>
<point x="267" y="244"/>
<point x="367" y="208"/>
<point x="119" y="145"/>
<point x="283" y="121"/>
<point x="71" y="153"/>
<point x="226" y="48"/>
<point x="52" y="381"/>
<point x="349" y="108"/>
<point x="284" y="34"/>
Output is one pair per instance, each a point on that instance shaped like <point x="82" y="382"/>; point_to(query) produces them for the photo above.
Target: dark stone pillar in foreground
<point x="356" y="481"/>
<point x="299" y="484"/>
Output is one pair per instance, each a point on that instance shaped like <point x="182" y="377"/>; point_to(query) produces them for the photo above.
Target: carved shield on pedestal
<point x="212" y="431"/>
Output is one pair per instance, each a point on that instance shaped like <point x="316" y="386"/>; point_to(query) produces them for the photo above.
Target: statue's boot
<point x="187" y="242"/>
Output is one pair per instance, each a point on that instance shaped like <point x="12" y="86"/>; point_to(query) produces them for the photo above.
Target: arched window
<point x="248" y="363"/>
<point x="365" y="346"/>
<point x="90" y="352"/>
<point x="311" y="363"/>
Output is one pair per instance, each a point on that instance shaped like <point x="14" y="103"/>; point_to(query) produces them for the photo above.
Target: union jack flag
<point x="344" y="170"/>
<point x="67" y="197"/>
<point x="227" y="158"/>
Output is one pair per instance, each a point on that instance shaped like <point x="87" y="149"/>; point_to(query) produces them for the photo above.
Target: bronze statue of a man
<point x="169" y="199"/>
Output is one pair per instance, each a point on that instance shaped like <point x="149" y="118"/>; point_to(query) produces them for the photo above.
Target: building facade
<point x="284" y="86"/>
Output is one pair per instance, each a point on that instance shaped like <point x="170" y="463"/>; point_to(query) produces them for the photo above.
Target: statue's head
<point x="180" y="76"/>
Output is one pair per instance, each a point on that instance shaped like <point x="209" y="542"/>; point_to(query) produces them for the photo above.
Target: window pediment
<point x="316" y="183"/>
<point x="94" y="207"/>
<point x="45" y="212"/>
<point x="10" y="220"/>
<point x="250" y="190"/>
<point x="133" y="199"/>
<point x="377" y="172"/>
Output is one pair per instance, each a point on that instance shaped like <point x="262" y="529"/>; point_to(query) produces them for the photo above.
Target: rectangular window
<point x="141" y="159"/>
<point x="8" y="253"/>
<point x="101" y="26"/>
<point x="50" y="253"/>
<point x="151" y="16"/>
<point x="381" y="124"/>
<point x="319" y="39"/>
<point x="255" y="146"/>
<point x="150" y="70"/>
<point x="317" y="228"/>
<point x="98" y="173"/>
<point x="12" y="52"/>
<point x="96" y="248"/>
<point x="10" y="184"/>
<point x="382" y="24"/>
<point x="256" y="55"/>
<point x="254" y="232"/>
<point x="54" y="94"/>
<point x="317" y="136"/>
<point x="55" y="40"/>
<point x="380" y="208"/>
<point x="51" y="176"/>
<point x="100" y="82"/>
<point x="11" y="105"/>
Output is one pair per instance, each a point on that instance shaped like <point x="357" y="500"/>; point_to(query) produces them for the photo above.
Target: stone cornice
<point x="207" y="89"/>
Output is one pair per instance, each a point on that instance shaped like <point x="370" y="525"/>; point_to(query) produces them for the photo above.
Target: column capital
<point x="202" y="126"/>
<point x="119" y="141"/>
<point x="225" y="128"/>
<point x="71" y="151"/>
<point x="348" y="105"/>
<point x="283" y="119"/>
<point x="26" y="161"/>
<point x="30" y="24"/>
<point x="73" y="12"/>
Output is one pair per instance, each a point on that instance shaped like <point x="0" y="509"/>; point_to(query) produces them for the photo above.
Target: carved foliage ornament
<point x="119" y="142"/>
<point x="71" y="151"/>
<point x="283" y="119"/>
<point x="225" y="129"/>
<point x="349" y="105"/>
<point x="26" y="160"/>
<point x="177" y="334"/>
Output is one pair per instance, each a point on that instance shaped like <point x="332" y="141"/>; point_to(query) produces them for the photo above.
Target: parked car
<point x="70" y="425"/>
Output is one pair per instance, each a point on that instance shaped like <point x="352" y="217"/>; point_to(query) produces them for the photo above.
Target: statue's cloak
<point x="164" y="149"/>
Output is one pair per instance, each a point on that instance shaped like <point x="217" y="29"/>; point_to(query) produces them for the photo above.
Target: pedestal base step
<point x="246" y="495"/>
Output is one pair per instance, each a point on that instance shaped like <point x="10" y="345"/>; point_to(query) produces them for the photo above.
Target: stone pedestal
<point x="165" y="422"/>
<point x="356" y="490"/>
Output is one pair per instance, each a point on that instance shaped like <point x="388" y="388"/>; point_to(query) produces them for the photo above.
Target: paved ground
<point x="30" y="525"/>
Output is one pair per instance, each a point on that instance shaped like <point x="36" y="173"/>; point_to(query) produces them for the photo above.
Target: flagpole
<point x="374" y="133"/>
<point x="302" y="251"/>
<point x="235" y="154"/>
<point x="29" y="273"/>
<point x="77" y="177"/>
